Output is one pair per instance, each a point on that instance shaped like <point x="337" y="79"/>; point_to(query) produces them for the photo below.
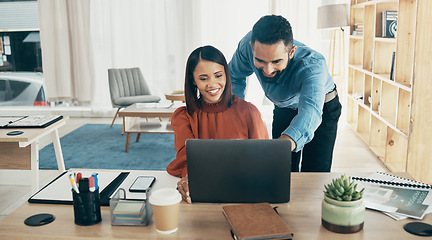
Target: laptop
<point x="239" y="171"/>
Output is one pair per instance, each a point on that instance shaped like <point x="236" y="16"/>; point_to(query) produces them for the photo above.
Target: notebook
<point x="256" y="221"/>
<point x="395" y="196"/>
<point x="239" y="171"/>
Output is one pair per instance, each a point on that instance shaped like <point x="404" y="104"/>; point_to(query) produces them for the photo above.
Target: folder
<point x="58" y="191"/>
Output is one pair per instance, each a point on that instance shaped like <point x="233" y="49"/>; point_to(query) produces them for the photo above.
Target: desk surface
<point x="29" y="134"/>
<point x="206" y="221"/>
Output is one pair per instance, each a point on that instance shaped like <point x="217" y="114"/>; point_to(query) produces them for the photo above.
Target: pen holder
<point x="86" y="207"/>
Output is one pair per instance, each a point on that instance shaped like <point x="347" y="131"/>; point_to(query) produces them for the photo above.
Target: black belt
<point x="328" y="97"/>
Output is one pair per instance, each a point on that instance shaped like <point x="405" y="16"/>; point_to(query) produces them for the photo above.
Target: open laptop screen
<point x="239" y="171"/>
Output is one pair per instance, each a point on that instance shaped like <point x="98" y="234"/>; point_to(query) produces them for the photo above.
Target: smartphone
<point x="142" y="183"/>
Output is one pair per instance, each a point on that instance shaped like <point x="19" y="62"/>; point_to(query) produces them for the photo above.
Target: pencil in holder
<point x="86" y="207"/>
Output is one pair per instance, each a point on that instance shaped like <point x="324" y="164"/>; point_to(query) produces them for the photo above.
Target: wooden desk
<point x="22" y="151"/>
<point x="206" y="221"/>
<point x="132" y="120"/>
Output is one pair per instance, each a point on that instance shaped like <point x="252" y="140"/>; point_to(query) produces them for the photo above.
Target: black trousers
<point x="316" y="156"/>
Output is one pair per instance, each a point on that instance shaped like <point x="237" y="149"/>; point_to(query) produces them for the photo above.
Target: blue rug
<point x="98" y="146"/>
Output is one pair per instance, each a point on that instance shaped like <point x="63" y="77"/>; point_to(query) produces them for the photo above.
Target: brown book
<point x="256" y="221"/>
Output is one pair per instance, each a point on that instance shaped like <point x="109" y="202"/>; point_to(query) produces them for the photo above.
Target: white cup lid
<point x="165" y="197"/>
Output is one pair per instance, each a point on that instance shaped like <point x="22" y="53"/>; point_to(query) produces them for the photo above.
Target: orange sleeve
<point x="256" y="126"/>
<point x="181" y="125"/>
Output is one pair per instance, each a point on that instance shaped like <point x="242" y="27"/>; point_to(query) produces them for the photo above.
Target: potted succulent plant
<point x="342" y="208"/>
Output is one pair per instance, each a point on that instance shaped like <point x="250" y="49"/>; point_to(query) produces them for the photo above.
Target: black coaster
<point x="39" y="219"/>
<point x="14" y="133"/>
<point x="419" y="229"/>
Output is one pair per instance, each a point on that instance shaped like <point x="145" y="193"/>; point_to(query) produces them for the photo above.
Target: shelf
<point x="375" y="114"/>
<point x="392" y="116"/>
<point x="150" y="127"/>
<point x="385" y="40"/>
<point x="361" y="4"/>
<point x="383" y="77"/>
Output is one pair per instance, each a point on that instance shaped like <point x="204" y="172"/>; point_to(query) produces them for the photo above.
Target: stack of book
<point x="358" y="29"/>
<point x="129" y="212"/>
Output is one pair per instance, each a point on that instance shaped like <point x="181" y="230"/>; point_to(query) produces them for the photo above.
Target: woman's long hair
<point x="212" y="54"/>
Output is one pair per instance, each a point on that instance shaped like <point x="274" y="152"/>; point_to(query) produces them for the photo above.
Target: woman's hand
<point x="183" y="188"/>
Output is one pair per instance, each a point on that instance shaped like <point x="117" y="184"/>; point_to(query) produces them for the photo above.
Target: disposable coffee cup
<point x="165" y="204"/>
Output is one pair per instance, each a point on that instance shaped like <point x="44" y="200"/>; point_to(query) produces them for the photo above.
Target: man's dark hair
<point x="271" y="29"/>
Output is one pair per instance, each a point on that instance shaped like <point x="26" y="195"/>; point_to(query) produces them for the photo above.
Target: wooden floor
<point x="350" y="155"/>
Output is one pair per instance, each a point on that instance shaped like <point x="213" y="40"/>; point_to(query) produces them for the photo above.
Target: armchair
<point x="128" y="86"/>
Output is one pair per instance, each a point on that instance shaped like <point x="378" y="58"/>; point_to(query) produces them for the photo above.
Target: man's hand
<point x="183" y="188"/>
<point x="293" y="144"/>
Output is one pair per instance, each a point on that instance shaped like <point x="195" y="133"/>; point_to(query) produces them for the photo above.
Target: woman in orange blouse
<point x="211" y="111"/>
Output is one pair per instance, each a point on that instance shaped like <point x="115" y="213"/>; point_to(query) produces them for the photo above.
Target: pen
<point x="72" y="181"/>
<point x="91" y="184"/>
<point x="78" y="177"/>
<point x="96" y="183"/>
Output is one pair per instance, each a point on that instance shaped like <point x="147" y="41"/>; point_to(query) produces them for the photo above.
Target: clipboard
<point x="34" y="121"/>
<point x="58" y="191"/>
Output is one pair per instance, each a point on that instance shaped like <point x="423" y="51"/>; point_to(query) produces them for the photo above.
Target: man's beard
<point x="270" y="79"/>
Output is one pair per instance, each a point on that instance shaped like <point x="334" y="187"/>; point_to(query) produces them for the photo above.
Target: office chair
<point x="128" y="86"/>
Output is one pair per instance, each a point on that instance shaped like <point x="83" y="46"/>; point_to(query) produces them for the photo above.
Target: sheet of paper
<point x="5" y="120"/>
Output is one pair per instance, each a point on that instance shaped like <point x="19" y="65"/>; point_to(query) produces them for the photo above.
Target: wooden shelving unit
<point x="380" y="109"/>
